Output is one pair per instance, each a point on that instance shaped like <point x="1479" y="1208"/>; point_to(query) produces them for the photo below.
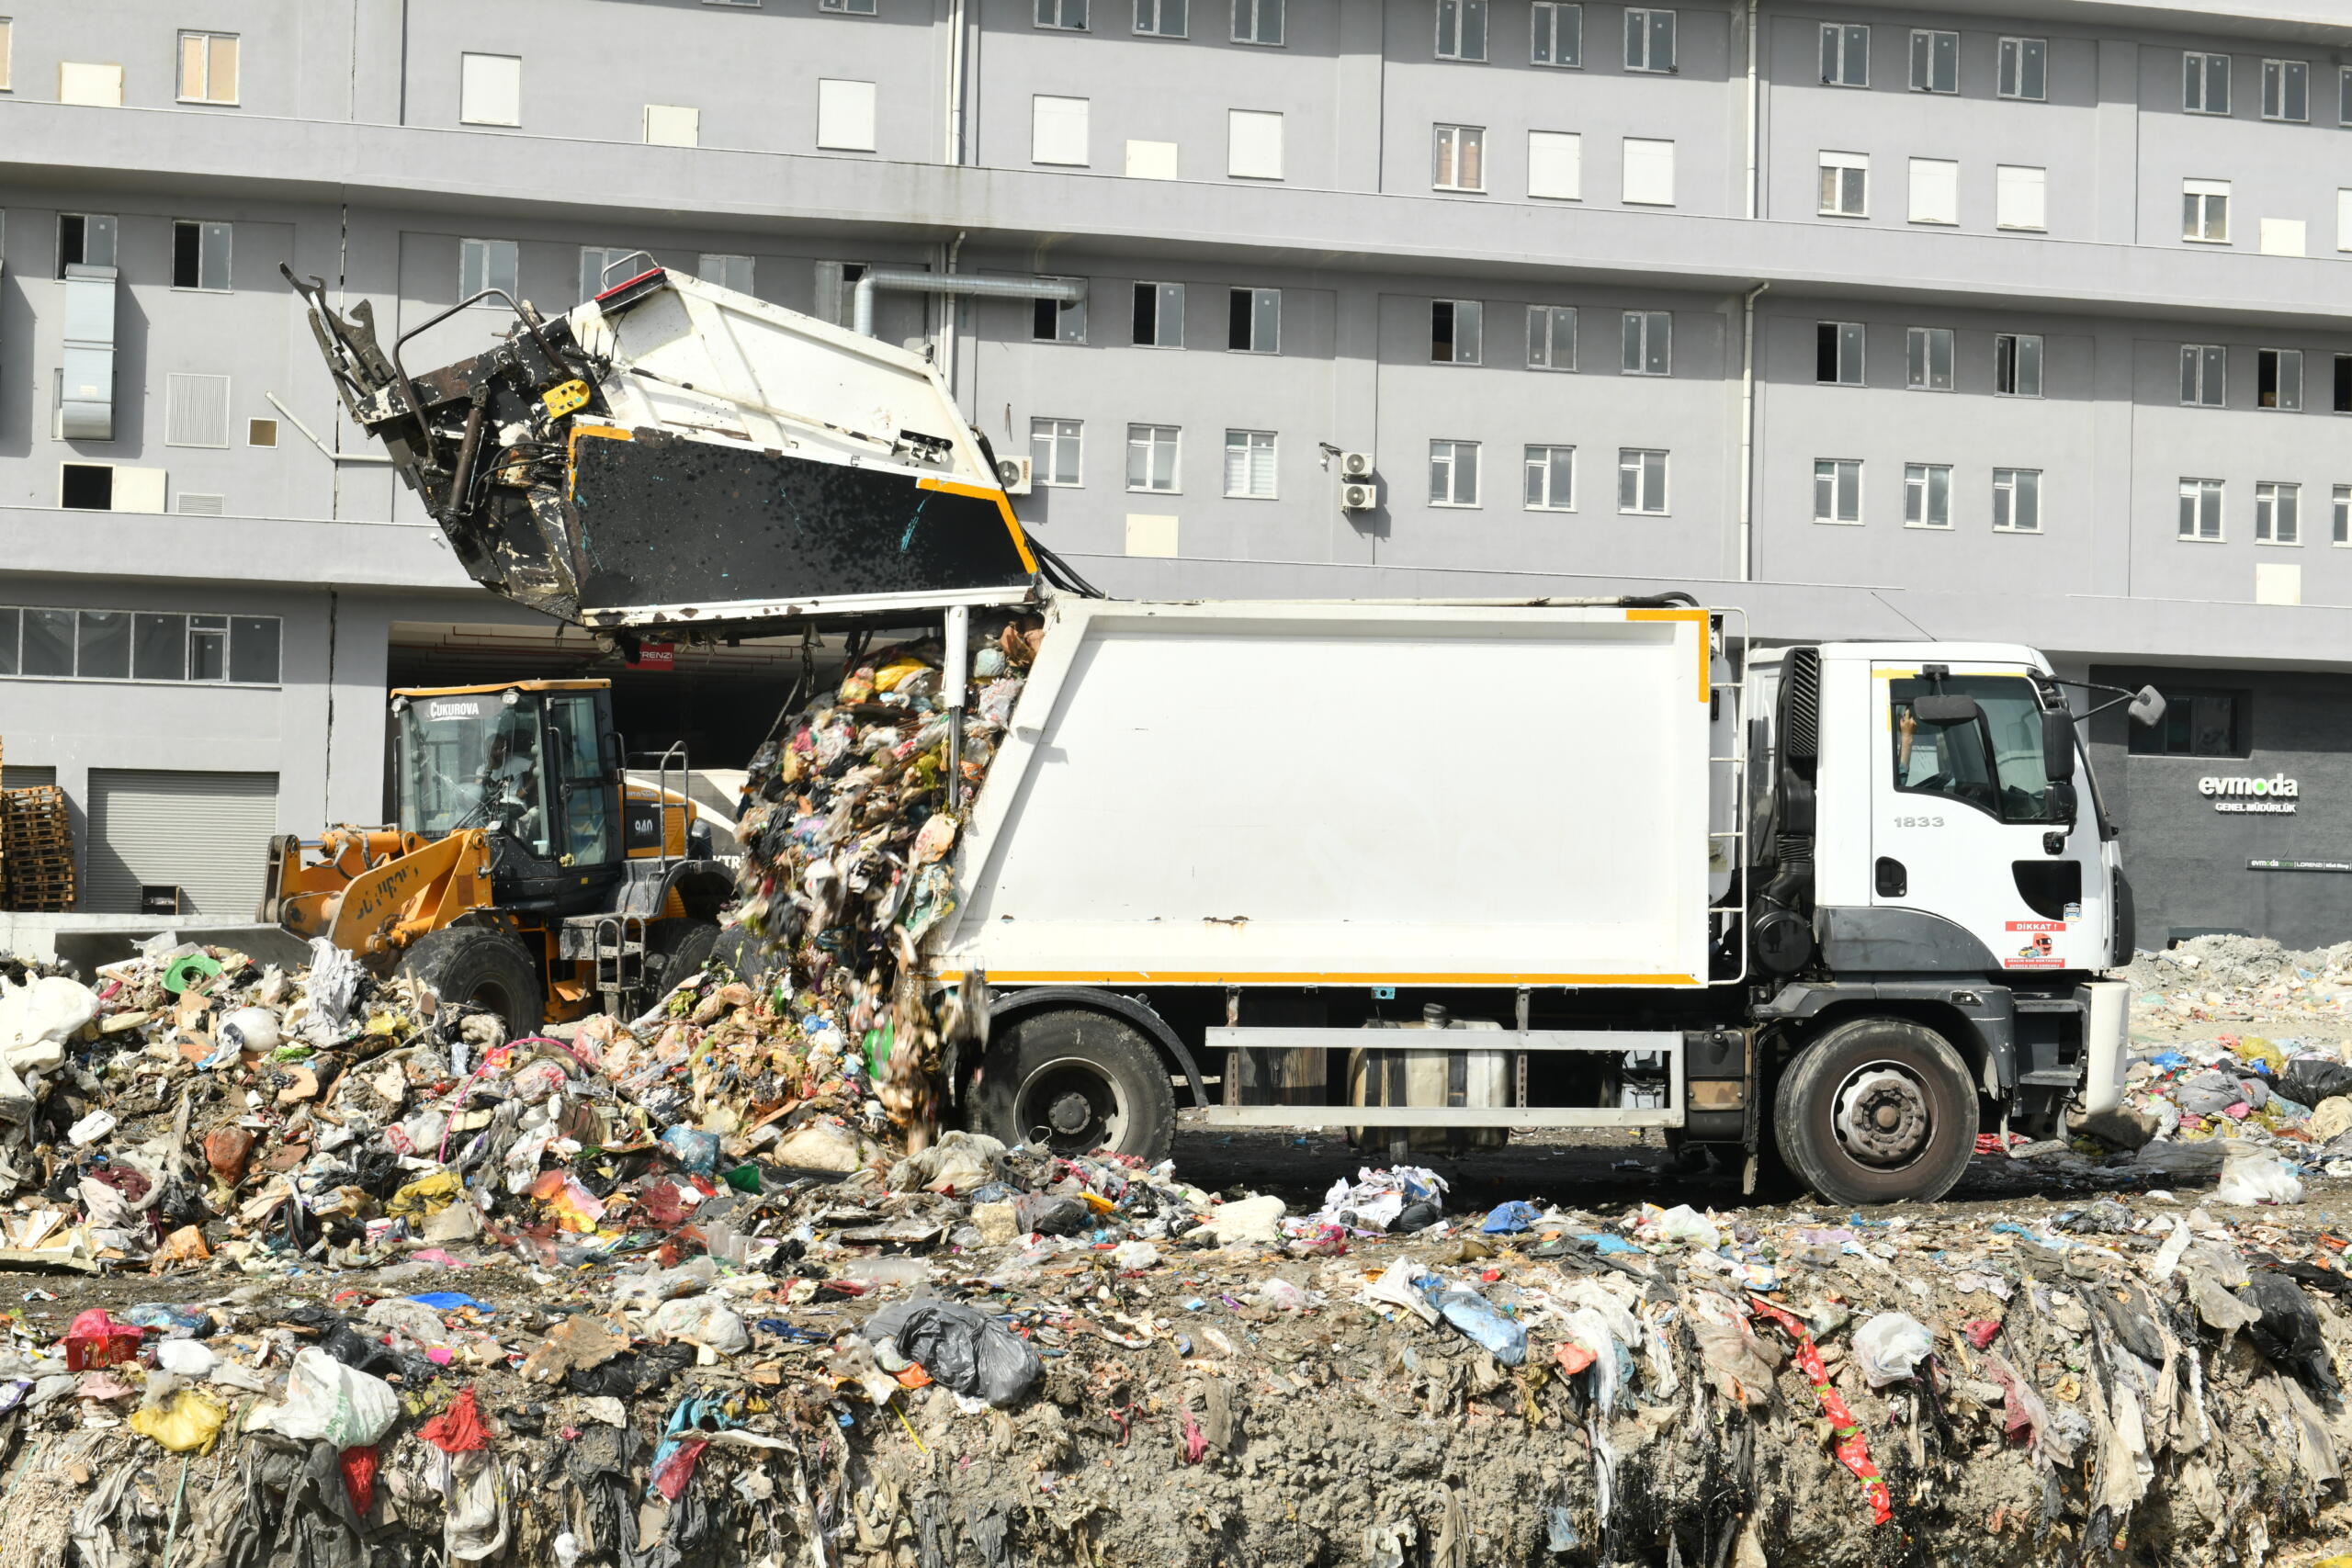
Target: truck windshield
<point x="473" y="762"/>
<point x="1994" y="764"/>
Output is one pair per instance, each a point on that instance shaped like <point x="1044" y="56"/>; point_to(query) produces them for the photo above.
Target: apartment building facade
<point x="1977" y="319"/>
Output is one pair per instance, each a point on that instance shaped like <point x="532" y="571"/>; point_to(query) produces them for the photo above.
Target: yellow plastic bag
<point x="2254" y="1050"/>
<point x="189" y="1422"/>
<point x="899" y="671"/>
<point x="427" y="1197"/>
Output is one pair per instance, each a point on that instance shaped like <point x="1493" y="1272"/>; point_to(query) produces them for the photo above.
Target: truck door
<point x="586" y="793"/>
<point x="1961" y="820"/>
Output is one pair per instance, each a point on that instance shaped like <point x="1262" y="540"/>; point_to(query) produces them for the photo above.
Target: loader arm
<point x="373" y="905"/>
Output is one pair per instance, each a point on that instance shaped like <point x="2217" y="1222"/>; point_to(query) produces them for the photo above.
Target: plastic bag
<point x="1890" y="1346"/>
<point x="702" y="1320"/>
<point x="188" y="1358"/>
<point x="35" y="1020"/>
<point x="1682" y="1224"/>
<point x="1480" y="1320"/>
<point x="959" y="1162"/>
<point x="1511" y="1219"/>
<point x="970" y="1353"/>
<point x="188" y="1421"/>
<point x="2311" y="1082"/>
<point x="2254" y="1175"/>
<point x="347" y="1408"/>
<point x="1282" y="1296"/>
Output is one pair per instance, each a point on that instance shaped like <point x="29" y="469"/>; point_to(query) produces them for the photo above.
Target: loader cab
<point x="535" y="764"/>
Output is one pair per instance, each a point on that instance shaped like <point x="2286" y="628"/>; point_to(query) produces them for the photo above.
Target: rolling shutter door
<point x="206" y="833"/>
<point x="25" y="775"/>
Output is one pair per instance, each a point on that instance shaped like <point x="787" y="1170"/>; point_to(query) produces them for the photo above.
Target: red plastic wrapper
<point x="671" y="1476"/>
<point x="457" y="1429"/>
<point x="1981" y="1332"/>
<point x="1853" y="1450"/>
<point x="359" y="1479"/>
<point x="94" y="1339"/>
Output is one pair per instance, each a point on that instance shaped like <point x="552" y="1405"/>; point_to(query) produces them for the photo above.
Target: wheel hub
<point x="1882" y="1116"/>
<point x="1070" y="1114"/>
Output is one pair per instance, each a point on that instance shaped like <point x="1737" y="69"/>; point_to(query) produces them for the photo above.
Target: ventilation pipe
<point x="1061" y="290"/>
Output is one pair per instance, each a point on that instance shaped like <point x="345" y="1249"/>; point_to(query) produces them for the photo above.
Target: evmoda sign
<point x="2275" y="796"/>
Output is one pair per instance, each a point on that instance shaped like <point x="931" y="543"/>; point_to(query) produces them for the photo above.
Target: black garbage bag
<point x="971" y="1353"/>
<point x="632" y="1372"/>
<point x="2308" y="1083"/>
<point x="2288" y="1331"/>
<point x="1049" y="1215"/>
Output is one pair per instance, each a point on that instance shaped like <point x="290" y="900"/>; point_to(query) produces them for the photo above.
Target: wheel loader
<point x="527" y="873"/>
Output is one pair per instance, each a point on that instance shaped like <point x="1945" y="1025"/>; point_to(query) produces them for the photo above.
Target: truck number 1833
<point x="1919" y="821"/>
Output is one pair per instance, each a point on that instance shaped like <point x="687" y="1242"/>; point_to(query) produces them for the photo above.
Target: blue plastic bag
<point x="1481" y="1320"/>
<point x="450" y="1300"/>
<point x="696" y="1152"/>
<point x="1511" y="1218"/>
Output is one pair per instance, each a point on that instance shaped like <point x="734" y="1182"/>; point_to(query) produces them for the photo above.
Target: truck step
<point x="2053" y="1077"/>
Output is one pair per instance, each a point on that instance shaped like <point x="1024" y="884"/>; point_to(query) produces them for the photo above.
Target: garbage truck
<point x="1432" y="872"/>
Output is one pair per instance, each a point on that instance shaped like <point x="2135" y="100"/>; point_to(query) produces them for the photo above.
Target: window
<point x="845" y="116"/>
<point x="1836" y="489"/>
<point x="2016" y="364"/>
<point x="1160" y="315"/>
<point x="4" y="54"/>
<point x="1254" y="321"/>
<point x="674" y="125"/>
<point x="1927" y="495"/>
<point x="2344" y="383"/>
<point x="1648" y="172"/>
<point x="1066" y="14"/>
<point x="2276" y="509"/>
<point x="1648" y="343"/>
<point x="1649" y="39"/>
<point x="1058" y="131"/>
<point x="208" y="68"/>
<point x="490" y="89"/>
<point x="1454" y="473"/>
<point x="196" y="410"/>
<point x="1459" y="161"/>
<point x="119" y="644"/>
<point x="2197" y="723"/>
<point x="2286" y="90"/>
<point x="599" y="269"/>
<point x="1550" y="479"/>
<point x="2205" y="83"/>
<point x="1556" y="165"/>
<point x="1837" y="353"/>
<point x="1845" y="185"/>
<point x="2016" y="500"/>
<point x="1935" y="191"/>
<point x="2279" y="379"/>
<point x="1453" y="331"/>
<point x="1161" y="18"/>
<point x="1928" y="359"/>
<point x="2203" y="374"/>
<point x="1258" y="21"/>
<point x="2343" y="81"/>
<point x="1640" y="481"/>
<point x="1461" y="29"/>
<point x="261" y="433"/>
<point x="1993" y="765"/>
<point x="95" y="86"/>
<point x="1550" y="337"/>
<point x="1058" y="320"/>
<point x="1253" y="144"/>
<point x="1935" y="62"/>
<point x="727" y="272"/>
<point x="1250" y="464"/>
<point x="2200" y="508"/>
<point x="1557" y="34"/>
<point x="200" y="255"/>
<point x="85" y="487"/>
<point x="85" y="238"/>
<point x="1151" y="457"/>
<point x="847" y="7"/>
<point x="487" y="264"/>
<point x="2025" y="68"/>
<point x="1844" y="55"/>
<point x="2205" y="211"/>
<point x="2020" y="197"/>
<point x="2342" y="534"/>
<point x="1053" y="452"/>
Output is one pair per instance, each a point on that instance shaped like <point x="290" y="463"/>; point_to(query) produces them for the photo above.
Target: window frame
<point x="114" y="238"/>
<point x="2208" y="357"/>
<point x="513" y="249"/>
<point x="2197" y="82"/>
<point x="1552" y="8"/>
<point x="2204" y="192"/>
<point x="842" y="8"/>
<point x="1158" y="293"/>
<point x="1550" y="315"/>
<point x="1920" y="487"/>
<point x="1231" y="295"/>
<point x="1062" y="8"/>
<point x="2274" y="370"/>
<point x="2004" y="482"/>
<point x="1151" y="446"/>
<point x="2283" y="502"/>
<point x="2195" y="508"/>
<point x="203" y="227"/>
<point x="1830" y="341"/>
<point x="1913" y="169"/>
<point x="1471" y="139"/>
<point x="1837" y="38"/>
<point x="1460" y="11"/>
<point x="2340" y="524"/>
<point x="465" y="118"/>
<point x="2340" y="399"/>
<point x="2343" y="91"/>
<point x="1920" y="359"/>
<point x="1646" y="32"/>
<point x="2282" y="70"/>
<point x="1532" y="466"/>
<point x="1259" y="11"/>
<point x="1053" y="312"/>
<point x="1834" y="473"/>
<point x="751" y="267"/>
<point x="222" y="625"/>
<point x="2015" y="343"/>
<point x="1249" y="449"/>
<point x="7" y="55"/>
<point x="1075" y="434"/>
<point x="1640" y="470"/>
<point x="1628" y="337"/>
<point x="209" y="38"/>
<point x="2012" y="48"/>
<point x="1454" y="320"/>
<point x="2041" y="186"/>
<point x="1922" y="66"/>
<point x="1845" y="163"/>
<point x="1454" y="467"/>
<point x="1158" y="15"/>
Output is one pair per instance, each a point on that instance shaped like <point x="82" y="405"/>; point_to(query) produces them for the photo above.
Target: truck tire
<point x="1877" y="1110"/>
<point x="480" y="966"/>
<point x="677" y="947"/>
<point x="1082" y="1080"/>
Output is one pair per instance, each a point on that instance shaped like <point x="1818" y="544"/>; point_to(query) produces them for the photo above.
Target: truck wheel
<point x="1877" y="1110"/>
<point x="677" y="947"/>
<point x="1077" y="1081"/>
<point x="479" y="966"/>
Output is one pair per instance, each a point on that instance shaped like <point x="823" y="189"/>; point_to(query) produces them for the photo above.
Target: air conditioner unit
<point x="1355" y="465"/>
<point x="1014" y="474"/>
<point x="1359" y="495"/>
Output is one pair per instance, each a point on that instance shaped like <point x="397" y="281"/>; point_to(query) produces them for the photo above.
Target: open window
<point x="1991" y="758"/>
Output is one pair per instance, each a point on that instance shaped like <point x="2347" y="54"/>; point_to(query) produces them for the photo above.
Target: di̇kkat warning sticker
<point x="2033" y="945"/>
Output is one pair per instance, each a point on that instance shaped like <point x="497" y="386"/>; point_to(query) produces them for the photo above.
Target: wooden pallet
<point x="36" y="848"/>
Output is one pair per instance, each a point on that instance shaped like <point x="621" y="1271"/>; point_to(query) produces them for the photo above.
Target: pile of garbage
<point x="2240" y="979"/>
<point x="847" y="837"/>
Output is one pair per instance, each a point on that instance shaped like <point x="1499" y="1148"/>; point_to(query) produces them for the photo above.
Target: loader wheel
<point x="677" y="948"/>
<point x="481" y="967"/>
<point x="1877" y="1110"/>
<point x="1077" y="1081"/>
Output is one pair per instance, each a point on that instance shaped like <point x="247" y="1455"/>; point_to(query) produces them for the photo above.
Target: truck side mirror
<point x="2057" y="745"/>
<point x="1941" y="710"/>
<point x="2147" y="708"/>
<point x="2063" y="803"/>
